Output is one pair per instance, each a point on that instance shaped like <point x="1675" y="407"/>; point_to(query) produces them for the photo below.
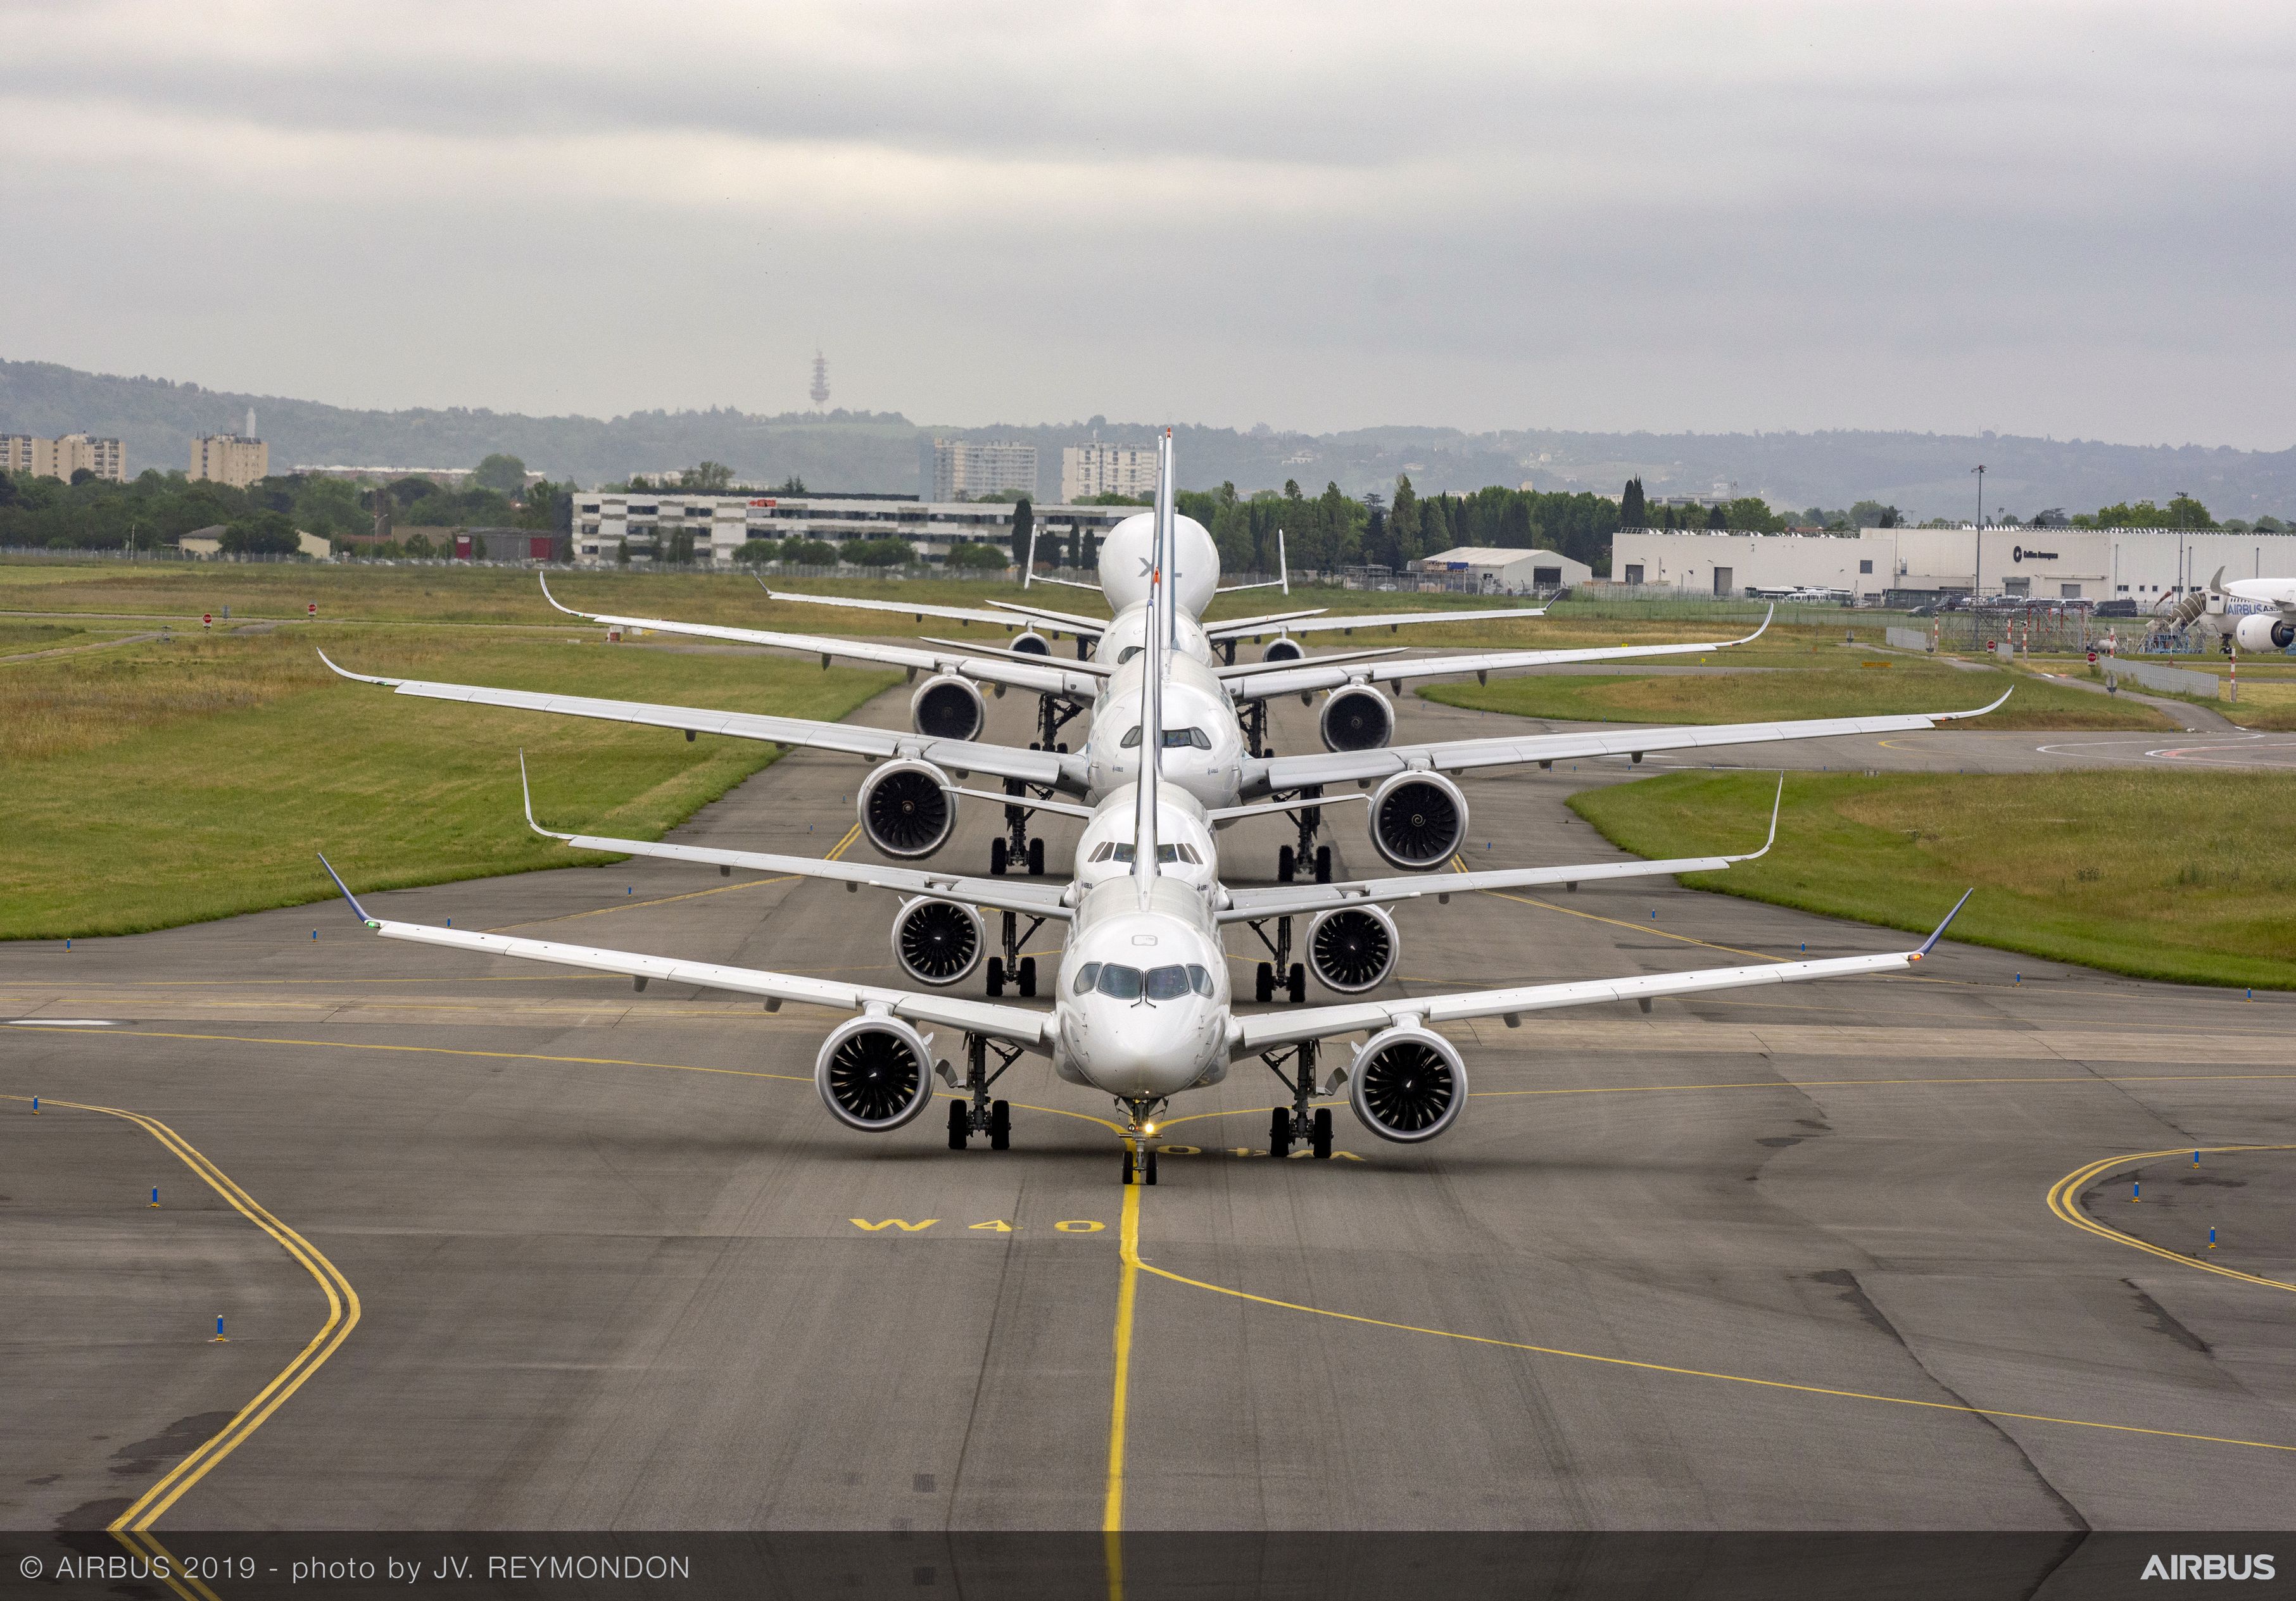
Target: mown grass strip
<point x="2189" y="876"/>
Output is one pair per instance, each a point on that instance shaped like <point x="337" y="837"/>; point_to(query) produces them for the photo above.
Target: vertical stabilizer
<point x="1159" y="620"/>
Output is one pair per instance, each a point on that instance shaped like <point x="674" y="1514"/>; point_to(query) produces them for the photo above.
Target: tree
<point x="83" y="475"/>
<point x="1718" y="518"/>
<point x="755" y="553"/>
<point x="707" y="477"/>
<point x="979" y="557"/>
<point x="678" y="549"/>
<point x="878" y="552"/>
<point x="1515" y="532"/>
<point x="1750" y="514"/>
<point x="261" y="534"/>
<point x="504" y="475"/>
<point x="1076" y="544"/>
<point x="1024" y="521"/>
<point x="792" y="484"/>
<point x="1403" y="524"/>
<point x="1632" y="508"/>
<point x="809" y="553"/>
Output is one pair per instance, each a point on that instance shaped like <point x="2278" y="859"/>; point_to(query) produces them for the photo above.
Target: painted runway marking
<point x="1127" y="1290"/>
<point x="2064" y="1201"/>
<point x="61" y="1023"/>
<point x="342" y="1317"/>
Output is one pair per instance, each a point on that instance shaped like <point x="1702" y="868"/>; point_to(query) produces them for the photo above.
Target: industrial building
<point x="605" y="521"/>
<point x="231" y="459"/>
<point x="2046" y="564"/>
<point x="1094" y="467"/>
<point x="964" y="469"/>
<point x="60" y="457"/>
<point x="1483" y="570"/>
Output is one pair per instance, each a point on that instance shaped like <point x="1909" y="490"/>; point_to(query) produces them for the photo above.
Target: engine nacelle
<point x="1407" y="1084"/>
<point x="875" y="1074"/>
<point x="948" y="708"/>
<point x="938" y="941"/>
<point x="1283" y="647"/>
<point x="1356" y="718"/>
<point x="1418" y="819"/>
<point x="1352" y="948"/>
<point x="1029" y="642"/>
<point x="2262" y="631"/>
<point x="905" y="811"/>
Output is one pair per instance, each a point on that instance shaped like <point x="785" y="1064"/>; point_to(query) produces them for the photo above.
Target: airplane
<point x="2265" y="622"/>
<point x="1142" y="1008"/>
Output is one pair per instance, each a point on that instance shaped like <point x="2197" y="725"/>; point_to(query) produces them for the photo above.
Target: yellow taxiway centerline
<point x="2064" y="1201"/>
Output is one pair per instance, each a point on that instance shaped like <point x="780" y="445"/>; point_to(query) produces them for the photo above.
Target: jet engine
<point x="1418" y="819"/>
<point x="1283" y="647"/>
<point x="2263" y="631"/>
<point x="937" y="942"/>
<point x="1029" y="642"/>
<point x="1356" y="718"/>
<point x="875" y="1074"/>
<point x="1407" y="1084"/>
<point x="1352" y="948"/>
<point x="904" y="811"/>
<point x="948" y="708"/>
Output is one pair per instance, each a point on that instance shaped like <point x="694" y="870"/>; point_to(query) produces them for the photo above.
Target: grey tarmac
<point x="1786" y="1262"/>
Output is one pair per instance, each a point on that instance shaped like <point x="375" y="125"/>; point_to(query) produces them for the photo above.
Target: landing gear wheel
<point x="1148" y="1168"/>
<point x="1127" y="1164"/>
<point x="960" y="1124"/>
<point x="1286" y="863"/>
<point x="1000" y="1125"/>
<point x="1263" y="985"/>
<point x="1320" y="1140"/>
<point x="996" y="858"/>
<point x="1279" y="1132"/>
<point x="995" y="975"/>
<point x="1296" y="990"/>
<point x="1035" y="862"/>
<point x="1027" y="982"/>
<point x="1062" y="747"/>
<point x="1322" y="864"/>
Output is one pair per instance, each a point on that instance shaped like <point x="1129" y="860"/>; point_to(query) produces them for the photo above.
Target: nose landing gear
<point x="1139" y="1156"/>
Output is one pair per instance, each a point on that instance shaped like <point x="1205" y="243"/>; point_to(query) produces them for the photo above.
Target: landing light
<point x="1147" y="1128"/>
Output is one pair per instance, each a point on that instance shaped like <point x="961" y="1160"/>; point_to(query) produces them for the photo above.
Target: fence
<point x="2169" y="681"/>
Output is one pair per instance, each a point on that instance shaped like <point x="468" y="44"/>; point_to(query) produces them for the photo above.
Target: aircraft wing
<point x="1287" y="1026"/>
<point x="1297" y="899"/>
<point x="1029" y="673"/>
<point x="1390" y="620"/>
<point x="1297" y="678"/>
<point x="1014" y="1024"/>
<point x="916" y="610"/>
<point x="1612" y="740"/>
<point x="1059" y="621"/>
<point x="1035" y="897"/>
<point x="1246" y="669"/>
<point x="960" y="756"/>
<point x="1266" y="622"/>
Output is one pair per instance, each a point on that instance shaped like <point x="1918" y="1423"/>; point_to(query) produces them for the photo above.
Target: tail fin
<point x="1151" y="677"/>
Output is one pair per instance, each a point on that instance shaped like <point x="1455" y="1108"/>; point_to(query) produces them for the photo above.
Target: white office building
<point x="968" y="470"/>
<point x="2046" y="564"/>
<point x="1097" y="469"/>
<point x="645" y="520"/>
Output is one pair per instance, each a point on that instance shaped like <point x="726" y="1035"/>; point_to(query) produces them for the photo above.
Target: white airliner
<point x="2255" y="614"/>
<point x="1141" y="1009"/>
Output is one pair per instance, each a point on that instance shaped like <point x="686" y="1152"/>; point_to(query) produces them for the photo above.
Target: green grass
<point x="1829" y="682"/>
<point x="160" y="784"/>
<point x="16" y="638"/>
<point x="2185" y="877"/>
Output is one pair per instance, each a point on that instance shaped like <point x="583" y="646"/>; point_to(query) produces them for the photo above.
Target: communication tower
<point x="820" y="381"/>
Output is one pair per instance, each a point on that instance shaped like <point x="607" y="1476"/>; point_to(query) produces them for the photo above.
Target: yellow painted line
<point x="342" y="1317"/>
<point x="2064" y="1200"/>
<point x="1842" y="1084"/>
<point x="1593" y="917"/>
<point x="1111" y="1515"/>
<point x="1732" y="1378"/>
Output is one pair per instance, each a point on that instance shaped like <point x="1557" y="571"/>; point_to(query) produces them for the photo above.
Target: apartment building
<point x="231" y="459"/>
<point x="61" y="457"/>
<point x="967" y="470"/>
<point x="1093" y="468"/>
<point x="642" y="520"/>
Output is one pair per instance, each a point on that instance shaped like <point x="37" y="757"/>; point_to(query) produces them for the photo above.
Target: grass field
<point x="2186" y="877"/>
<point x="16" y="638"/>
<point x="159" y="784"/>
<point x="1826" y="682"/>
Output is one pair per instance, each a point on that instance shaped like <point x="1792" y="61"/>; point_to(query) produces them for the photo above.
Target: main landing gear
<point x="1014" y="848"/>
<point x="1281" y="974"/>
<point x="976" y="1114"/>
<point x="1139" y="1156"/>
<point x="1298" y="1122"/>
<point x="1013" y="968"/>
<point x="1251" y="717"/>
<point x="1307" y="855"/>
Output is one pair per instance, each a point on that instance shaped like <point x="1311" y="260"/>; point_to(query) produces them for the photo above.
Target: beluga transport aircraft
<point x="1141" y="1010"/>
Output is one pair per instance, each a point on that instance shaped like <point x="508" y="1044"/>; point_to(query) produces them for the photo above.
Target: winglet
<point x="1776" y="801"/>
<point x="1938" y="934"/>
<point x="1283" y="563"/>
<point x="1758" y="632"/>
<point x="546" y="595"/>
<point x="356" y="909"/>
<point x="359" y="677"/>
<point x="526" y="794"/>
<point x="1980" y="712"/>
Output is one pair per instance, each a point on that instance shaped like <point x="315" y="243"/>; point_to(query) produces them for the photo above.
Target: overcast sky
<point x="2069" y="219"/>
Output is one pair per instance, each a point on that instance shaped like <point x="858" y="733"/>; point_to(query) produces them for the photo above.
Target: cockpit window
<point x="1119" y="984"/>
<point x="1131" y="740"/>
<point x="1201" y="979"/>
<point x="1175" y="739"/>
<point x="1123" y="850"/>
<point x="1087" y="976"/>
<point x="1167" y="984"/>
<point x="1128" y="653"/>
<point x="1103" y="851"/>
